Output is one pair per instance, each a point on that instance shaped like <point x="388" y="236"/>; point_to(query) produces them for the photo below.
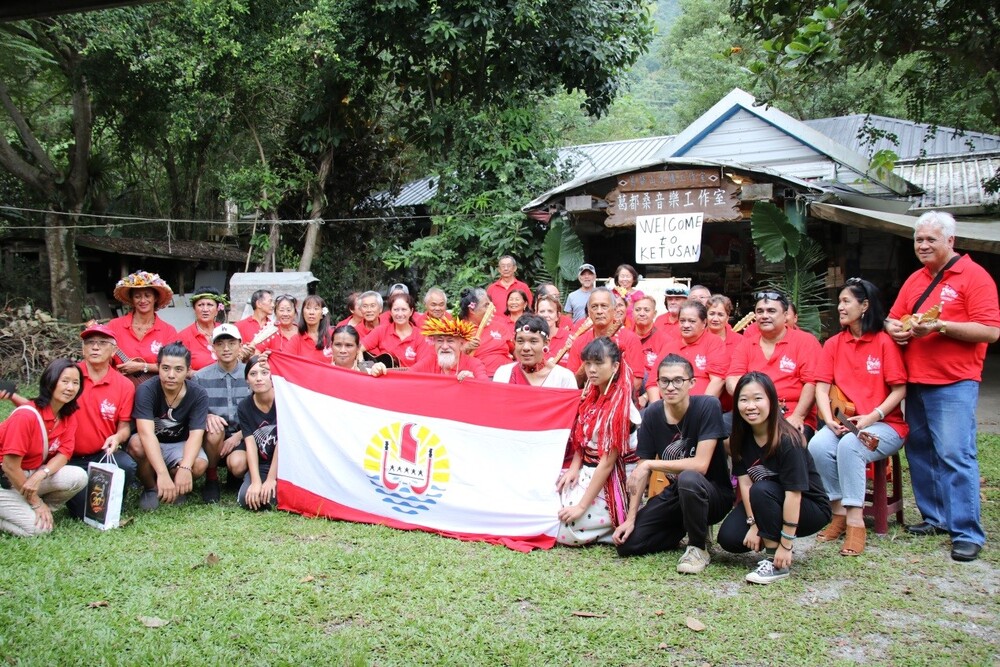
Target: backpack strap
<point x="41" y="427"/>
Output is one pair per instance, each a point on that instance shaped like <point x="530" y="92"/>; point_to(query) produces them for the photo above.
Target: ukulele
<point x="745" y="322"/>
<point x="487" y="318"/>
<point x="265" y="333"/>
<point x="658" y="481"/>
<point x="584" y="328"/>
<point x="137" y="378"/>
<point x="385" y="358"/>
<point x="869" y="440"/>
<point x="840" y="402"/>
<point x="931" y="315"/>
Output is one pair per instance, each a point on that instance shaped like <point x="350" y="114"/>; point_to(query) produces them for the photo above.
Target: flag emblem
<point x="408" y="465"/>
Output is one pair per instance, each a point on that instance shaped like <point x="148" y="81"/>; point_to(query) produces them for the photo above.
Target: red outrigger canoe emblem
<point x="405" y="469"/>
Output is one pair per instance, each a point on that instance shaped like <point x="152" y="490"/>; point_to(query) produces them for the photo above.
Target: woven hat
<point x="145" y="280"/>
<point x="456" y="328"/>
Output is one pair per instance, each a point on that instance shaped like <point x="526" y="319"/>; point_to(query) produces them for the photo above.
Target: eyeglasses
<point x="770" y="296"/>
<point x="676" y="382"/>
<point x="97" y="343"/>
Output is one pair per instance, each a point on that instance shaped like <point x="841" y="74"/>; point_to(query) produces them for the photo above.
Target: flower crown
<point x="457" y="328"/>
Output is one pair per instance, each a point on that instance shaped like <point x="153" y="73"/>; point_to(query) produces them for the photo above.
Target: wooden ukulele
<point x="745" y="322"/>
<point x="839" y="401"/>
<point x="842" y="409"/>
<point x="658" y="481"/>
<point x="487" y="318"/>
<point x="265" y="333"/>
<point x="137" y="378"/>
<point x="931" y="315"/>
<point x="587" y="325"/>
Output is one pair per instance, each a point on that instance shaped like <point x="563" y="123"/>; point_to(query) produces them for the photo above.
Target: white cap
<point x="224" y="330"/>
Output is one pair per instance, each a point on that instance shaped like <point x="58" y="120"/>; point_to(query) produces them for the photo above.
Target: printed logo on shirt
<point x="874" y="365"/>
<point x="786" y="365"/>
<point x="108" y="410"/>
<point x="155" y="347"/>
<point x="410" y="353"/>
<point x="700" y="361"/>
<point x="496" y="334"/>
<point x="948" y="293"/>
<point x="53" y="446"/>
<point x="650" y="357"/>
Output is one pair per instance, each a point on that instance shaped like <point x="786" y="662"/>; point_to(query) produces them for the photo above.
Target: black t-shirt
<point x="790" y="465"/>
<point x="176" y="423"/>
<point x="702" y="421"/>
<point x="262" y="425"/>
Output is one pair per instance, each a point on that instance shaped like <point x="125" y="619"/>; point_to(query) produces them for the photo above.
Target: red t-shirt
<point x="429" y="364"/>
<point x="147" y="348"/>
<point x="200" y="346"/>
<point x="707" y="357"/>
<point x="19" y="436"/>
<point x="652" y="348"/>
<point x="103" y="405"/>
<point x="305" y="346"/>
<point x="864" y="368"/>
<point x="498" y="293"/>
<point x="494" y="350"/>
<point x="969" y="294"/>
<point x="385" y="340"/>
<point x="792" y="366"/>
<point x="627" y="342"/>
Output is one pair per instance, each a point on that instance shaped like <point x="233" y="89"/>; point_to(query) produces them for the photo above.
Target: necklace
<point x="533" y="369"/>
<point x="176" y="402"/>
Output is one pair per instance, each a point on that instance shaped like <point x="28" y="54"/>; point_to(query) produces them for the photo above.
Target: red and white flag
<point x="471" y="460"/>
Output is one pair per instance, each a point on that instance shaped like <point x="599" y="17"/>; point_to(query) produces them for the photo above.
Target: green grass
<point x="289" y="590"/>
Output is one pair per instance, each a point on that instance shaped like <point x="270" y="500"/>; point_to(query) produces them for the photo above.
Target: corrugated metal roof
<point x="610" y="156"/>
<point x="912" y="137"/>
<point x="953" y="184"/>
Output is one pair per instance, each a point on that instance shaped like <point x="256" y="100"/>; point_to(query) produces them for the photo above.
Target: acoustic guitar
<point x="389" y="360"/>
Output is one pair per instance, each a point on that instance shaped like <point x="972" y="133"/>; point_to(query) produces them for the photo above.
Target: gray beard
<point x="447" y="360"/>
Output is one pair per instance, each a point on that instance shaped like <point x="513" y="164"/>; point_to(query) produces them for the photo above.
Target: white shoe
<point x="767" y="573"/>
<point x="693" y="561"/>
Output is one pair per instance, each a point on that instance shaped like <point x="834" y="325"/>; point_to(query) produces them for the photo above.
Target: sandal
<point x="854" y="544"/>
<point x="836" y="528"/>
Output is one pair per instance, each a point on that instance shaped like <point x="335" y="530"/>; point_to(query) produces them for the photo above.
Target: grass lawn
<point x="274" y="588"/>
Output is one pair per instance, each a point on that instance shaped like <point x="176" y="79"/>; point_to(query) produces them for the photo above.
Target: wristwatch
<point x="48" y="473"/>
<point x="944" y="327"/>
<point x="751" y="521"/>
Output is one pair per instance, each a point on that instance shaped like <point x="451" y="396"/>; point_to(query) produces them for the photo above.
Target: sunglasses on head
<point x="770" y="296"/>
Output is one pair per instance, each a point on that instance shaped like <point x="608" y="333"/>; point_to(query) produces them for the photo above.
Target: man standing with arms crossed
<point x="944" y="359"/>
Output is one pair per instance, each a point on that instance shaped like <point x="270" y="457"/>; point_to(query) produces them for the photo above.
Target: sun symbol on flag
<point x="409" y="465"/>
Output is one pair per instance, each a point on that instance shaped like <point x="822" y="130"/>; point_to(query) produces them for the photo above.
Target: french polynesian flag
<point x="470" y="460"/>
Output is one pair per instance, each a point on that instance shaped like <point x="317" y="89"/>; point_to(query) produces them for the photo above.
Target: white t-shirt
<point x="558" y="377"/>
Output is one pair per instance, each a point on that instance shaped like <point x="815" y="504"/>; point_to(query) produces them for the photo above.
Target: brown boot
<point x="836" y="528"/>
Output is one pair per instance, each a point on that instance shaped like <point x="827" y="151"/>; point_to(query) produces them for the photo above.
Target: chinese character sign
<point x="668" y="239"/>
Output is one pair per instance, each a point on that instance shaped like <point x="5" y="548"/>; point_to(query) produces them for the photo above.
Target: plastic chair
<point x="879" y="501"/>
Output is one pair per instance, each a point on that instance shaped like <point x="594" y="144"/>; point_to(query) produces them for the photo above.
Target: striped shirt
<point x="225" y="391"/>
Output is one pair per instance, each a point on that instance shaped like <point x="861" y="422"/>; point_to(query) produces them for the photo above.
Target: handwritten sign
<point x="717" y="203"/>
<point x="673" y="238"/>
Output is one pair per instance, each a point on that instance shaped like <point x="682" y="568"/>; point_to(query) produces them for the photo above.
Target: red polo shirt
<point x="386" y="318"/>
<point x="864" y="368"/>
<point x="652" y="345"/>
<point x="627" y="342"/>
<point x="385" y="340"/>
<point x="668" y="324"/>
<point x="732" y="341"/>
<point x="498" y="293"/>
<point x="249" y="327"/>
<point x="102" y="405"/>
<point x="19" y="436"/>
<point x="494" y="349"/>
<point x="707" y="357"/>
<point x="305" y="346"/>
<point x="969" y="294"/>
<point x="791" y="366"/>
<point x="359" y="326"/>
<point x="200" y="346"/>
<point x="556" y="343"/>
<point x="147" y="348"/>
<point x="429" y="364"/>
<point x="281" y="343"/>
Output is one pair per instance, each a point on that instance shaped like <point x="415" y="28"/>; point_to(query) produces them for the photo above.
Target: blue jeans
<point x="941" y="450"/>
<point x="842" y="462"/>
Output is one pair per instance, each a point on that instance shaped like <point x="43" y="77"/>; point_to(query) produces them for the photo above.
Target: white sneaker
<point x="693" y="561"/>
<point x="767" y="573"/>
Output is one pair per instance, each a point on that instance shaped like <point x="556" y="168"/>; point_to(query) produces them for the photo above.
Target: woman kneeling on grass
<point x="35" y="475"/>
<point x="258" y="420"/>
<point x="783" y="496"/>
<point x="592" y="490"/>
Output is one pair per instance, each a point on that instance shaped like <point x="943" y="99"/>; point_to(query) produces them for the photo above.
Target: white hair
<point x="944" y="222"/>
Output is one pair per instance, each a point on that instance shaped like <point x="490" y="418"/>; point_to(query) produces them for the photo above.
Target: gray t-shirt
<point x="576" y="304"/>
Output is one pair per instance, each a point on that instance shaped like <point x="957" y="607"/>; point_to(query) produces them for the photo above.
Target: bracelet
<point x="787" y="536"/>
<point x="34" y="507"/>
<point x="184" y="467"/>
<point x="881" y="415"/>
<point x="789" y="523"/>
<point x="788" y="548"/>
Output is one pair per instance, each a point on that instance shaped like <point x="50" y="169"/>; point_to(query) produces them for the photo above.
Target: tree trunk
<point x="311" y="245"/>
<point x="64" y="270"/>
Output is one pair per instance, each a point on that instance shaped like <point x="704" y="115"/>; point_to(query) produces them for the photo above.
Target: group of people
<point x="681" y="396"/>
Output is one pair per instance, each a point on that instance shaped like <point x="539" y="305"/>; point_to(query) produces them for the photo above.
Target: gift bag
<point x="105" y="492"/>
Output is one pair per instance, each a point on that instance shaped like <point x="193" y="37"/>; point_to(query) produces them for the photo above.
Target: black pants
<point x="687" y="507"/>
<point x="767" y="498"/>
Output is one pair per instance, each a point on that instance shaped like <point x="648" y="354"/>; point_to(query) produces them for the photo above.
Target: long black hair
<point x="323" y="330"/>
<point x="862" y="290"/>
<point x="777" y="427"/>
<point x="47" y="385"/>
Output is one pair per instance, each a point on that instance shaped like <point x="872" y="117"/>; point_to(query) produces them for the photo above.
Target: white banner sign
<point x="668" y="239"/>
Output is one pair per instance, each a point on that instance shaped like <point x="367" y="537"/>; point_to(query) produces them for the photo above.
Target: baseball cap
<point x="586" y="267"/>
<point x="399" y="287"/>
<point x="98" y="330"/>
<point x="224" y="330"/>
